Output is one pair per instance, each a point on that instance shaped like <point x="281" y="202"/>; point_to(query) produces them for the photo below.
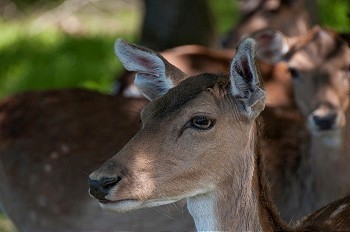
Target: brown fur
<point x="159" y="165"/>
<point x="268" y="216"/>
<point x="319" y="59"/>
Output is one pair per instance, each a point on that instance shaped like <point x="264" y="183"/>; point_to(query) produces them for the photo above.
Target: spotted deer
<point x="49" y="142"/>
<point x="319" y="63"/>
<point x="199" y="141"/>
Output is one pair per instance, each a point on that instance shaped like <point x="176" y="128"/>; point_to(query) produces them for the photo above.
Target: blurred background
<point x="59" y="44"/>
<point x="55" y="44"/>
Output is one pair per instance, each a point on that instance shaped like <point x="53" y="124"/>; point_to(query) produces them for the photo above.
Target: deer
<point x="23" y="119"/>
<point x="61" y="122"/>
<point x="319" y="63"/>
<point x="49" y="142"/>
<point x="284" y="131"/>
<point x="199" y="141"/>
<point x="288" y="16"/>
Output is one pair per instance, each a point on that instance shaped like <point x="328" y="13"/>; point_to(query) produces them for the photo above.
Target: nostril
<point x="109" y="183"/>
<point x="325" y="122"/>
<point x="100" y="188"/>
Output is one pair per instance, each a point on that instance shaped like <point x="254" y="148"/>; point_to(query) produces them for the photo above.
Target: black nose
<point x="100" y="188"/>
<point x="325" y="122"/>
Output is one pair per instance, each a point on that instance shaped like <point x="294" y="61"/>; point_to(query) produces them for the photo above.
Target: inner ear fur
<point x="155" y="75"/>
<point x="245" y="78"/>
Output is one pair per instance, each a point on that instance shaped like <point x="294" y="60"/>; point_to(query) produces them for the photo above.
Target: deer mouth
<point x="132" y="204"/>
<point x="120" y="205"/>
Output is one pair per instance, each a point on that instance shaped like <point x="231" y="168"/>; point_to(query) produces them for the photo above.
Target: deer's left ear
<point x="245" y="79"/>
<point x="154" y="74"/>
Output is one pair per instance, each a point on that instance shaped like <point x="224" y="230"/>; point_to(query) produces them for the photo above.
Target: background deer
<point x="319" y="63"/>
<point x="289" y="16"/>
<point x="198" y="141"/>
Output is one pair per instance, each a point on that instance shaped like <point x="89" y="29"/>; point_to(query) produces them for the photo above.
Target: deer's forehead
<point x="193" y="89"/>
<point x="323" y="48"/>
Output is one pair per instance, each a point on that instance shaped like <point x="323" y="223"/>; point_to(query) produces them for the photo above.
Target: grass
<point x="6" y="225"/>
<point x="53" y="60"/>
<point x="37" y="54"/>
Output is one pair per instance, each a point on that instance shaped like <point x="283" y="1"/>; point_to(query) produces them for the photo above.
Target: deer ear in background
<point x="155" y="75"/>
<point x="271" y="45"/>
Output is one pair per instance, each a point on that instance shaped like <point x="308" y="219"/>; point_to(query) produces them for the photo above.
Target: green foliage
<point x="335" y="14"/>
<point x="55" y="60"/>
<point x="25" y="4"/>
<point x="225" y="14"/>
<point x="32" y="59"/>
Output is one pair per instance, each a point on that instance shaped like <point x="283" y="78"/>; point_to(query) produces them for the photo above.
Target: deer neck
<point x="239" y="203"/>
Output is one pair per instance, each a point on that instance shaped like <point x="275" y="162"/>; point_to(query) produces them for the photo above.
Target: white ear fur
<point x="245" y="82"/>
<point x="271" y="45"/>
<point x="151" y="76"/>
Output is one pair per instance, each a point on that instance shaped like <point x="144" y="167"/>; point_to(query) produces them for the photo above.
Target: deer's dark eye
<point x="294" y="72"/>
<point x="202" y="122"/>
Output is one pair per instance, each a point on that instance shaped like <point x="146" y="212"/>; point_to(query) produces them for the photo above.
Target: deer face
<point x="193" y="130"/>
<point x="319" y="64"/>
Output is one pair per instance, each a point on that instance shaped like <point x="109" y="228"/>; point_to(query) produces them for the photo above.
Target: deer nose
<point x="100" y="188"/>
<point x="324" y="122"/>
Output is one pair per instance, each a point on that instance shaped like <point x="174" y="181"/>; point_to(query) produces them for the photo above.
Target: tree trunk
<point x="170" y="23"/>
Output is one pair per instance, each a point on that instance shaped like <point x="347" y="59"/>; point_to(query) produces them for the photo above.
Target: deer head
<point x="191" y="123"/>
<point x="319" y="63"/>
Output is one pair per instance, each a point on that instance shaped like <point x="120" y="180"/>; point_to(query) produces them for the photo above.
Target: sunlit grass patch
<point x="33" y="57"/>
<point x="5" y="224"/>
<point x="68" y="44"/>
<point x="48" y="60"/>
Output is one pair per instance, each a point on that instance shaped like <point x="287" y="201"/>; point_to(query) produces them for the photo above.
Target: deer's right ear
<point x="271" y="45"/>
<point x="245" y="79"/>
<point x="155" y="76"/>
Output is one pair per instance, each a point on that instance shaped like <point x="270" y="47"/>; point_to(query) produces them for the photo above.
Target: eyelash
<point x="202" y="122"/>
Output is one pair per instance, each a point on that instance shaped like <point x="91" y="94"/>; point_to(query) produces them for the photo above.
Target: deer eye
<point x="294" y="72"/>
<point x="202" y="122"/>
